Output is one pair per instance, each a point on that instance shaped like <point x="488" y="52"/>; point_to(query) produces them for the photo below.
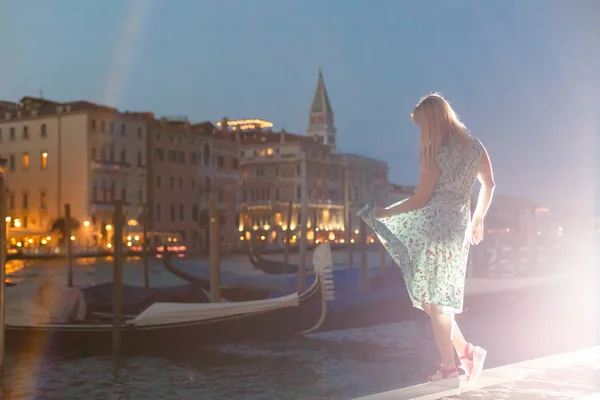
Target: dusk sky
<point x="522" y="74"/>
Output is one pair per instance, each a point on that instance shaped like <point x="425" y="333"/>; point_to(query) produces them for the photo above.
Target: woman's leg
<point x="442" y="330"/>
<point x="459" y="342"/>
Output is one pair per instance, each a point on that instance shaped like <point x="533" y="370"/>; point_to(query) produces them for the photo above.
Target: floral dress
<point x="431" y="244"/>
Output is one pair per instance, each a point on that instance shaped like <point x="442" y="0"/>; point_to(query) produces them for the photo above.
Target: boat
<point x="170" y="328"/>
<point x="352" y="306"/>
<point x="98" y="298"/>
<point x="270" y="266"/>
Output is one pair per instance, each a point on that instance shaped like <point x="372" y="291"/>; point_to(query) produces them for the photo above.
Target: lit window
<point x="262" y="153"/>
<point x="44" y="160"/>
<point x="269" y="151"/>
<point x="25" y="160"/>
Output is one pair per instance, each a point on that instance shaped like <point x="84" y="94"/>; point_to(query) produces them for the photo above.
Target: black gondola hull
<point x="173" y="338"/>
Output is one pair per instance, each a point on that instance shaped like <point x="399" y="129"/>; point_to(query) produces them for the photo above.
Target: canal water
<point x="330" y="365"/>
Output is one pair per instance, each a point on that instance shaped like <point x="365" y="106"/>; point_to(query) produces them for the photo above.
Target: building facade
<point x="76" y="153"/>
<point x="187" y="162"/>
<point x="337" y="184"/>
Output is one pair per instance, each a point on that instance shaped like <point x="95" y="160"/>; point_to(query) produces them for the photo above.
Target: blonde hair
<point x="437" y="121"/>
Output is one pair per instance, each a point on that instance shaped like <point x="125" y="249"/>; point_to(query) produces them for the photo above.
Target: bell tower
<point x="321" y="122"/>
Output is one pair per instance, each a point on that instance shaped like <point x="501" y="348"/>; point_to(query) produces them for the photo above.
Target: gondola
<point x="170" y="328"/>
<point x="270" y="266"/>
<point x="229" y="292"/>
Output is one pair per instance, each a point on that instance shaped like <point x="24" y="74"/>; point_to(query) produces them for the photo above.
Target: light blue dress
<point x="431" y="244"/>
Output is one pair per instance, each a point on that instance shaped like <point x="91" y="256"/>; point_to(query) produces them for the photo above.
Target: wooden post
<point x="347" y="218"/>
<point x="288" y="234"/>
<point x="145" y="245"/>
<point x="350" y="244"/>
<point x="303" y="222"/>
<point x="3" y="215"/>
<point x="215" y="279"/>
<point x="68" y="245"/>
<point x="117" y="279"/>
<point x="364" y="272"/>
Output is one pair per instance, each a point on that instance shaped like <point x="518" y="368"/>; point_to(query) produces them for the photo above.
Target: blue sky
<point x="522" y="74"/>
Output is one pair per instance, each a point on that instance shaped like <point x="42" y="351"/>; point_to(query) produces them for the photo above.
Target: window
<point x="111" y="128"/>
<point x="102" y="126"/>
<point x="139" y="158"/>
<point x="25" y="161"/>
<point x="158" y="136"/>
<point x="140" y="196"/>
<point x="111" y="153"/>
<point x="193" y="158"/>
<point x="180" y="181"/>
<point x="159" y="154"/>
<point x="43" y="132"/>
<point x="181" y="157"/>
<point x="11" y="162"/>
<point x="139" y="132"/>
<point x="93" y="125"/>
<point x="195" y="213"/>
<point x="193" y="184"/>
<point x="43" y="205"/>
<point x="11" y="134"/>
<point x="220" y="162"/>
<point x="158" y="181"/>
<point x="172" y="212"/>
<point x="94" y="154"/>
<point x="158" y="211"/>
<point x="181" y="212"/>
<point x="44" y="160"/>
<point x="122" y="129"/>
<point x="25" y="201"/>
<point x="124" y="194"/>
<point x="102" y="155"/>
<point x="206" y="155"/>
<point x="172" y="183"/>
<point x="123" y="156"/>
<point x="94" y="192"/>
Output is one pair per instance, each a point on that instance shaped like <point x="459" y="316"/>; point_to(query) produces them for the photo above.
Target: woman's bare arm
<point x="486" y="178"/>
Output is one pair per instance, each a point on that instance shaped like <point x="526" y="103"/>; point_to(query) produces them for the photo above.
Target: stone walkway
<point x="574" y="375"/>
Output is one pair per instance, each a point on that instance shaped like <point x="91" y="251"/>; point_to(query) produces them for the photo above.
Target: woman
<point x="428" y="235"/>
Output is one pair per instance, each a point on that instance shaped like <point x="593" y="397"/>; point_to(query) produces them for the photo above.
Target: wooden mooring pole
<point x="364" y="272"/>
<point x="117" y="281"/>
<point x="303" y="222"/>
<point x="145" y="218"/>
<point x="3" y="216"/>
<point x="288" y="236"/>
<point x="348" y="218"/>
<point x="215" y="278"/>
<point x="68" y="245"/>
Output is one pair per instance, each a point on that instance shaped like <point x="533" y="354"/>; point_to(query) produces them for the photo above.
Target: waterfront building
<point x="186" y="163"/>
<point x="77" y="153"/>
<point x="271" y="179"/>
